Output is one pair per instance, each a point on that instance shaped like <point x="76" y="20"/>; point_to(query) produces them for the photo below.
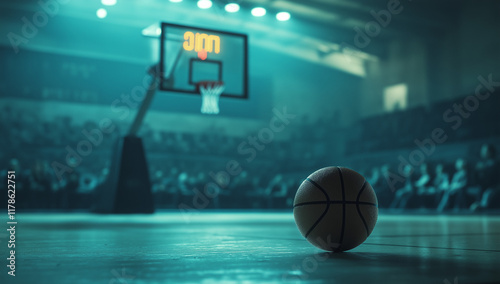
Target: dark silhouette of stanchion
<point x="128" y="188"/>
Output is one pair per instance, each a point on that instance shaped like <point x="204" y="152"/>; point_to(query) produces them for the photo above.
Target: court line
<point x="372" y="244"/>
<point x="439" y="235"/>
<point x="423" y="247"/>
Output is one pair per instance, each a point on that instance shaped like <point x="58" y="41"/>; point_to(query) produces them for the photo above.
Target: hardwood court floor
<point x="218" y="247"/>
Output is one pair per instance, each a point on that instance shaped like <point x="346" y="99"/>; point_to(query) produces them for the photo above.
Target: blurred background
<point x="405" y="92"/>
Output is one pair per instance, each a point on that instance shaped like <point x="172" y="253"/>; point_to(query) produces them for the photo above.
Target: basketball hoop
<point x="210" y="93"/>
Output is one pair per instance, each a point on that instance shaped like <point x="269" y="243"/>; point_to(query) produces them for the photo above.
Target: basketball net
<point x="210" y="94"/>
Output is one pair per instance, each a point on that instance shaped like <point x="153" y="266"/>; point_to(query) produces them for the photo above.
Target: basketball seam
<point x="324" y="212"/>
<point x="359" y="210"/>
<point x="319" y="187"/>
<point x="343" y="210"/>
<point x="335" y="202"/>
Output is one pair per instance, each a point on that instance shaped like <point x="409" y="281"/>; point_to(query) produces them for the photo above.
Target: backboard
<point x="189" y="55"/>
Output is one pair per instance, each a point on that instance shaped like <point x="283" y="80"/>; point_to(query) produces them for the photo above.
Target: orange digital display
<point x="199" y="42"/>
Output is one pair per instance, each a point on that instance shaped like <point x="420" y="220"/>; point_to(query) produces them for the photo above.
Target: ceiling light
<point x="108" y="2"/>
<point x="258" y="12"/>
<point x="102" y="13"/>
<point x="232" y="8"/>
<point x="283" y="16"/>
<point x="204" y="4"/>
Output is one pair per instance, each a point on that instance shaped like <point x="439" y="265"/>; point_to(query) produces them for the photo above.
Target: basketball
<point x="335" y="209"/>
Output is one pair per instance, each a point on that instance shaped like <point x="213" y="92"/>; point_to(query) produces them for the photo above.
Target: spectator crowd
<point x="441" y="186"/>
<point x="181" y="162"/>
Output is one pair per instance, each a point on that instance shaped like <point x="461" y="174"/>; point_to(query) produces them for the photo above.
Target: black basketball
<point x="335" y="209"/>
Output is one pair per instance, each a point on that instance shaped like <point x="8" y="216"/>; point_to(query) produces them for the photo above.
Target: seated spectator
<point x="440" y="184"/>
<point x="68" y="193"/>
<point x="487" y="171"/>
<point x="257" y="190"/>
<point x="275" y="190"/>
<point x="172" y="188"/>
<point x="44" y="183"/>
<point x="158" y="188"/>
<point x="184" y="185"/>
<point x="292" y="184"/>
<point x="237" y="190"/>
<point x="379" y="180"/>
<point x="423" y="187"/>
<point x="374" y="176"/>
<point x="406" y="192"/>
<point x="457" y="186"/>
